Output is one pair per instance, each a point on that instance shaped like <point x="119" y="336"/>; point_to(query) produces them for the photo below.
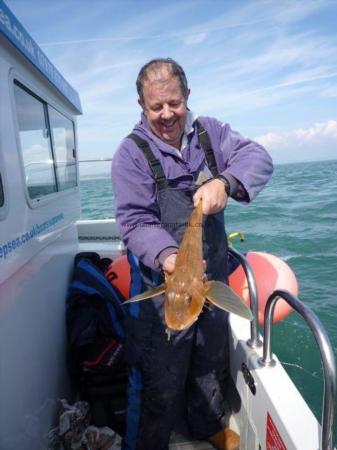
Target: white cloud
<point x="271" y="140"/>
<point x="314" y="143"/>
<point x="318" y="131"/>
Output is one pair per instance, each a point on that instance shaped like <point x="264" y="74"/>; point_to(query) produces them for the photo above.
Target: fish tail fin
<point x="225" y="298"/>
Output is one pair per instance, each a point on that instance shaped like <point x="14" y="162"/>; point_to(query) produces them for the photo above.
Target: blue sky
<point x="269" y="68"/>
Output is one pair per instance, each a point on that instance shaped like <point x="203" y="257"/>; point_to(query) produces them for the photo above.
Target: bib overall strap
<point x="154" y="163"/>
<point x="207" y="148"/>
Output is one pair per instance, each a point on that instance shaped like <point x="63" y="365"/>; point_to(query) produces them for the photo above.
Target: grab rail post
<point x="326" y="352"/>
<point x="254" y="340"/>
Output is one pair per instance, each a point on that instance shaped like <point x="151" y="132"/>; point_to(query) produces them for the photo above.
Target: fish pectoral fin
<point x="225" y="298"/>
<point x="147" y="294"/>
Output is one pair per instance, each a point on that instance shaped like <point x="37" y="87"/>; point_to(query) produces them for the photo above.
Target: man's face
<point x="165" y="107"/>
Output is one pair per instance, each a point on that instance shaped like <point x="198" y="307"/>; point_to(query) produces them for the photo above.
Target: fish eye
<point x="187" y="298"/>
<point x="171" y="296"/>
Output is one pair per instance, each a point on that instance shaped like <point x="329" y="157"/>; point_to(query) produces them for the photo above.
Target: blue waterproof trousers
<point x="183" y="376"/>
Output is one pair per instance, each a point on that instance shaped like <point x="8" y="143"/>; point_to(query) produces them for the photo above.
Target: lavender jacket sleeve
<point x="137" y="213"/>
<point x="245" y="163"/>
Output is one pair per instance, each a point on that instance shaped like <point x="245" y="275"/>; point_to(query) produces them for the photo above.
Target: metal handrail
<point x="254" y="341"/>
<point x="326" y="351"/>
<point x="95" y="160"/>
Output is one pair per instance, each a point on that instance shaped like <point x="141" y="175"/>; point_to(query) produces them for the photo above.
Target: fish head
<point x="182" y="305"/>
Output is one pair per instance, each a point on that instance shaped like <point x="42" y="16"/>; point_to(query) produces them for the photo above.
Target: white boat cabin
<point x="39" y="206"/>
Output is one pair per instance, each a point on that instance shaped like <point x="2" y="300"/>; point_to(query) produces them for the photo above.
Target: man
<point x="155" y="172"/>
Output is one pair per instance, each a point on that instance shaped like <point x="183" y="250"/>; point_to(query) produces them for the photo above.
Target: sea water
<point x="294" y="218"/>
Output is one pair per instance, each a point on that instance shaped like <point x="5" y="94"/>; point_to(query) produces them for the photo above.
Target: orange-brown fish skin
<point x="185" y="291"/>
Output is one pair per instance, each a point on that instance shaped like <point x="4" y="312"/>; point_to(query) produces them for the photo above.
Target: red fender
<point x="270" y="273"/>
<point x="118" y="273"/>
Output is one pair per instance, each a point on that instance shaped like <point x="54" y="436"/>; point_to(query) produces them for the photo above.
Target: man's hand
<point x="213" y="196"/>
<point x="169" y="264"/>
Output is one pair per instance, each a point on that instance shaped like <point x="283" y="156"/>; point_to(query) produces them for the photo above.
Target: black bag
<point x="95" y="333"/>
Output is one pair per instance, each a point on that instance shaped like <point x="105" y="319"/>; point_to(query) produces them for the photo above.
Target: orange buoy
<point x="118" y="273"/>
<point x="270" y="273"/>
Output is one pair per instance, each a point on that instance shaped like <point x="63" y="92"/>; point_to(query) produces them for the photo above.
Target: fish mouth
<point x="179" y="325"/>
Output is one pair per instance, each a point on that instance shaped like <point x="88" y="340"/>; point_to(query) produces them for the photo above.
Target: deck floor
<point x="180" y="442"/>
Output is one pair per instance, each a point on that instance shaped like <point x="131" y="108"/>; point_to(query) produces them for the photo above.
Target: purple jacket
<point x="243" y="162"/>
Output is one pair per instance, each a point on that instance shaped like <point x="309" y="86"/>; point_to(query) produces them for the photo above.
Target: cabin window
<point x="64" y="149"/>
<point x="2" y="197"/>
<point x="48" y="145"/>
<point x="35" y="144"/>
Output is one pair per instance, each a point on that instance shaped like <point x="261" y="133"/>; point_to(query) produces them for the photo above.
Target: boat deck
<point x="181" y="442"/>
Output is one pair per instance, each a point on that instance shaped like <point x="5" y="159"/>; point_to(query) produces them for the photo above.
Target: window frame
<point x="3" y="206"/>
<point x="2" y="193"/>
<point x="54" y="152"/>
<point x="16" y="79"/>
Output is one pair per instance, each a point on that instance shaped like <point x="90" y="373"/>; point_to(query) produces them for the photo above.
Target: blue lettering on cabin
<point x="9" y="247"/>
<point x="12" y="29"/>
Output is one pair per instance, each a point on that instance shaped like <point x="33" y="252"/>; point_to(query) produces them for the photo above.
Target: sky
<point x="268" y="68"/>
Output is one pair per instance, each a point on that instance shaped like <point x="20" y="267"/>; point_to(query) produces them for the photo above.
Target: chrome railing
<point x="95" y="160"/>
<point x="254" y="341"/>
<point x="326" y="352"/>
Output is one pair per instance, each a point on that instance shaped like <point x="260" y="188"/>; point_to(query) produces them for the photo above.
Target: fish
<point x="187" y="290"/>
